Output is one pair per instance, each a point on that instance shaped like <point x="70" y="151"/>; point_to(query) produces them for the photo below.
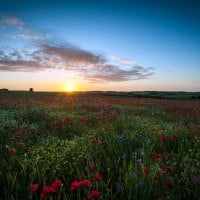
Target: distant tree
<point x="31" y="90"/>
<point x="4" y="90"/>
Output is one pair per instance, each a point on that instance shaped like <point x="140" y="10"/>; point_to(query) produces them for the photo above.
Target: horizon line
<point x="79" y="91"/>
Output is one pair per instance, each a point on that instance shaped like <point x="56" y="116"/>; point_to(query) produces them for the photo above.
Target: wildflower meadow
<point x="82" y="146"/>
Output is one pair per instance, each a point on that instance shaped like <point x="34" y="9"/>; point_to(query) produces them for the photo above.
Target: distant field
<point x="100" y="145"/>
<point x="156" y="94"/>
<point x="145" y="94"/>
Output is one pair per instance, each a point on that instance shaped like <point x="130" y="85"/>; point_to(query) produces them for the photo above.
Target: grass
<point x="126" y="148"/>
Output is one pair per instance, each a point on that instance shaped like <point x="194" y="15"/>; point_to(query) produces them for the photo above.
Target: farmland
<point x="93" y="146"/>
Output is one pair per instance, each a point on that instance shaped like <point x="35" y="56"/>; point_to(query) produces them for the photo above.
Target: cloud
<point x="20" y="30"/>
<point x="26" y="61"/>
<point x="120" y="60"/>
<point x="71" y="54"/>
<point x="47" y="55"/>
<point x="95" y="66"/>
<point x="111" y="73"/>
<point x="22" y="66"/>
<point x="11" y="21"/>
<point x="91" y="66"/>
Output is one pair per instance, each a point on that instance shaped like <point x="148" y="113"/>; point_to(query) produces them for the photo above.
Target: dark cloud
<point x="74" y="55"/>
<point x="21" y="66"/>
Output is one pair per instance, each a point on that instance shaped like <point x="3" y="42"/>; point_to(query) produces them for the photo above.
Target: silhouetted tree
<point x="4" y="90"/>
<point x="31" y="90"/>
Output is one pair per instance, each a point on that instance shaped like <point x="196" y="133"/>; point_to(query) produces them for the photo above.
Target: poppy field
<point x="84" y="146"/>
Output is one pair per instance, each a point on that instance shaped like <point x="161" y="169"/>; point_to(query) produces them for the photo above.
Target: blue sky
<point x="100" y="45"/>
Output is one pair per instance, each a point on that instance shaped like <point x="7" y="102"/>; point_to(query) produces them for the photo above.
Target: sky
<point x="138" y="45"/>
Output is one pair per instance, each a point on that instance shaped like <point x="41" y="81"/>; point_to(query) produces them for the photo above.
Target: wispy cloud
<point x="111" y="73"/>
<point x="20" y="30"/>
<point x="48" y="55"/>
<point x="123" y="61"/>
<point x="11" y="21"/>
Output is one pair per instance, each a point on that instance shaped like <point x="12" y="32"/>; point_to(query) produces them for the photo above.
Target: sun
<point x="69" y="88"/>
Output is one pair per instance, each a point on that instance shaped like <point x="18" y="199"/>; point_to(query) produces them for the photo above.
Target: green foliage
<point x="53" y="156"/>
<point x="35" y="116"/>
<point x="63" y="140"/>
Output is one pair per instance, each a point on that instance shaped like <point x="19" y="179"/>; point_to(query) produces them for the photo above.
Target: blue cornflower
<point x="134" y="174"/>
<point x="122" y="139"/>
<point x="139" y="160"/>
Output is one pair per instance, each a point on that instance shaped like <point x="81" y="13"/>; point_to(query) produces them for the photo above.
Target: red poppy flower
<point x="50" y="189"/>
<point x="161" y="138"/>
<point x="173" y="137"/>
<point x="168" y="183"/>
<point x="45" y="192"/>
<point x="92" y="168"/>
<point x="86" y="183"/>
<point x="97" y="177"/>
<point x="17" y="137"/>
<point x="15" y="129"/>
<point x="6" y="127"/>
<point x="75" y="185"/>
<point x="12" y="150"/>
<point x="55" y="185"/>
<point x="94" y="194"/>
<point x="21" y="145"/>
<point x="34" y="187"/>
<point x="154" y="156"/>
<point x="28" y="128"/>
<point x="82" y="120"/>
<point x="145" y="170"/>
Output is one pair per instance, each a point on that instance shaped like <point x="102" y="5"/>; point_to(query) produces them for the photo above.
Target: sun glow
<point x="69" y="88"/>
